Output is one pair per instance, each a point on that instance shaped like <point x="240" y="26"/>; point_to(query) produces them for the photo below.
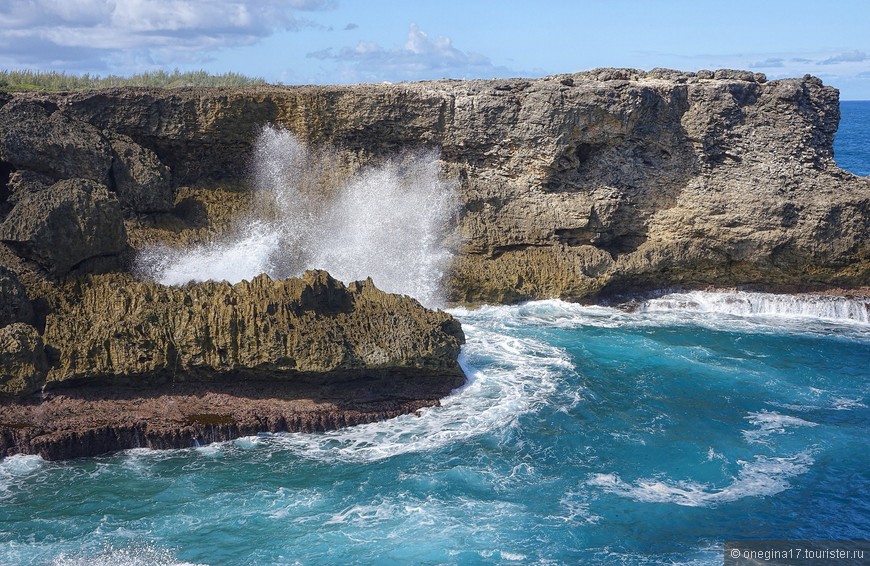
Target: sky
<point x="351" y="41"/>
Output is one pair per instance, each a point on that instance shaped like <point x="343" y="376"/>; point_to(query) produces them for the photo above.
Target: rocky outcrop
<point x="62" y="226"/>
<point x="115" y="328"/>
<point x="124" y="363"/>
<point x="573" y="185"/>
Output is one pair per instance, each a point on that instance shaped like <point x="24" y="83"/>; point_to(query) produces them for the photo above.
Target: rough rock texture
<point x="14" y="304"/>
<point x="88" y="421"/>
<point x="124" y="363"/>
<point x="141" y="181"/>
<point x="61" y="226"/>
<point x="572" y="185"/>
<point x="115" y="328"/>
<point x="23" y="365"/>
<point x="36" y="137"/>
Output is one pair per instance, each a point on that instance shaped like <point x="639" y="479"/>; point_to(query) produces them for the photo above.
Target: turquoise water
<point x="585" y="435"/>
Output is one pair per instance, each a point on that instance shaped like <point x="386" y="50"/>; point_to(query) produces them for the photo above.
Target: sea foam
<point x="824" y="307"/>
<point x="760" y="477"/>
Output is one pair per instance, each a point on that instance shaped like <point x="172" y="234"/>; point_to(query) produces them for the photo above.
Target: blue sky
<point x="349" y="41"/>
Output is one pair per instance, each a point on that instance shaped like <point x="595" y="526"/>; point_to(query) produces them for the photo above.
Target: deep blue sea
<point x="586" y="435"/>
<point x="852" y="141"/>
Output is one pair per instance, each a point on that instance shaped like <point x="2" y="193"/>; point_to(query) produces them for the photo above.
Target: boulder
<point x="141" y="181"/>
<point x="23" y="364"/>
<point x="61" y="226"/>
<point x="36" y="137"/>
<point x="24" y="181"/>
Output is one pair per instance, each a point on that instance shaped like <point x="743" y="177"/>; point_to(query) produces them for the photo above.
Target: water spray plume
<point x="390" y="222"/>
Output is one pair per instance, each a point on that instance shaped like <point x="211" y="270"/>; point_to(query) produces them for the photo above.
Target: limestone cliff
<point x="572" y="185"/>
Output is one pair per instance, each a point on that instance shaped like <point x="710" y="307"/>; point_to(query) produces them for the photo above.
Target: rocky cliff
<point x="571" y="186"/>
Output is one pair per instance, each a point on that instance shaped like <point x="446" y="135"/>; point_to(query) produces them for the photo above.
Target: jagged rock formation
<point x="112" y="327"/>
<point x="123" y="361"/>
<point x="573" y="185"/>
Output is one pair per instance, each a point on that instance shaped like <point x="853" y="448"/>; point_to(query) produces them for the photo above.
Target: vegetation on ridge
<point x="12" y="81"/>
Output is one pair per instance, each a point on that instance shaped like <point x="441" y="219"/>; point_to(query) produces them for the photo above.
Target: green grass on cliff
<point x="14" y="81"/>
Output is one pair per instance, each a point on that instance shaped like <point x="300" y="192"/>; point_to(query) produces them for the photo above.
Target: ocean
<point x="586" y="434"/>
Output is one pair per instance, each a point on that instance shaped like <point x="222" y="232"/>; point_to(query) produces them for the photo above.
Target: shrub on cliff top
<point x="60" y="80"/>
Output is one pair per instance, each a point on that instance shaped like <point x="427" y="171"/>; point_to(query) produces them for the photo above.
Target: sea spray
<point x="390" y="222"/>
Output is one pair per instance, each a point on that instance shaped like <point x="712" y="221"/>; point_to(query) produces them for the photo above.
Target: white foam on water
<point x="139" y="555"/>
<point x="768" y="423"/>
<point x="762" y="476"/>
<point x="16" y="467"/>
<point x="521" y="375"/>
<point x="739" y="303"/>
<point x="390" y="222"/>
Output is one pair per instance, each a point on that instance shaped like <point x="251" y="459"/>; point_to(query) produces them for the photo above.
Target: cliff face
<point x="570" y="185"/>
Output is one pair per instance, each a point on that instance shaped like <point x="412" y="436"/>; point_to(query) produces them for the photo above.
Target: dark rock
<point x="25" y="181"/>
<point x="65" y="224"/>
<point x="14" y="305"/>
<point x="141" y="181"/>
<point x="732" y="75"/>
<point x="51" y="143"/>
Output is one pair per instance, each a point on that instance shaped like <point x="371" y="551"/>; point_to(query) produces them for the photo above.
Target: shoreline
<point x="73" y="422"/>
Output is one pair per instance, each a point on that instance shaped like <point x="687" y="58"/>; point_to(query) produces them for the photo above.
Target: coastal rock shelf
<point x="123" y="363"/>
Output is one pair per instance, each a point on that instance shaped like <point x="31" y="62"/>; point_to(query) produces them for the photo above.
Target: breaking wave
<point x="824" y="307"/>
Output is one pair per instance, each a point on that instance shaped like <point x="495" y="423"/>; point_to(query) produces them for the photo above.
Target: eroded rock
<point x="113" y="326"/>
<point x="23" y="365"/>
<point x="63" y="225"/>
<point x="142" y="183"/>
<point x="138" y="364"/>
<point x="36" y="137"/>
<point x="14" y="304"/>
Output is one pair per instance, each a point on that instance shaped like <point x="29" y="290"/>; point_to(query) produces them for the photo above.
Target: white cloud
<point x="854" y="56"/>
<point x="421" y="57"/>
<point x="90" y="33"/>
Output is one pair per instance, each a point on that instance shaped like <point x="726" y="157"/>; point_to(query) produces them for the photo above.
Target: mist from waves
<point x="390" y="222"/>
